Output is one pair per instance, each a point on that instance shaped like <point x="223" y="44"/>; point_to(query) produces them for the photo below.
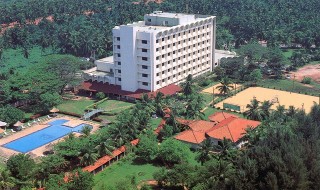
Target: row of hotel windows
<point x="142" y="50"/>
<point x="142" y="41"/>
<point x="184" y="56"/>
<point x="184" y="72"/>
<point x="119" y="70"/>
<point x="174" y="44"/>
<point x="143" y="83"/>
<point x="193" y="38"/>
<point x="179" y="66"/>
<point x="184" y="33"/>
<point x="179" y="58"/>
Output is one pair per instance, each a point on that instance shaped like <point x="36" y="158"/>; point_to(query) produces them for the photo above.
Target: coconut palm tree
<point x="265" y="108"/>
<point x="188" y="86"/>
<point x="225" y="86"/>
<point x="86" y="130"/>
<point x="204" y="150"/>
<point x="159" y="103"/>
<point x="254" y="112"/>
<point x="88" y="157"/>
<point x="224" y="148"/>
<point x="105" y="148"/>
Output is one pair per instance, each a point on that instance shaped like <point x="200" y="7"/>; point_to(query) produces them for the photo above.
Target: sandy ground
<point x="278" y="97"/>
<point x="216" y="91"/>
<point x="312" y="71"/>
<point x="6" y="153"/>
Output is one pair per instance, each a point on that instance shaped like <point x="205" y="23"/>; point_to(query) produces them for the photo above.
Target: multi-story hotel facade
<point x="161" y="50"/>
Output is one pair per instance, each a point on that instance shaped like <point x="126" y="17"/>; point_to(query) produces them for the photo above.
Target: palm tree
<point x="225" y="86"/>
<point x="159" y="103"/>
<point x="204" y="150"/>
<point x="265" y="108"/>
<point x="105" y="148"/>
<point x="291" y="111"/>
<point x="188" y="86"/>
<point x="88" y="158"/>
<point x="6" y="181"/>
<point x="254" y="112"/>
<point x="86" y="130"/>
<point x="224" y="148"/>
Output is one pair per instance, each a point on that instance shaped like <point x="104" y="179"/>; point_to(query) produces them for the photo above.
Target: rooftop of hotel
<point x="158" y="24"/>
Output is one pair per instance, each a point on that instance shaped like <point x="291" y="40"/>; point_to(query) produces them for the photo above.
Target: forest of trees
<point x="81" y="27"/>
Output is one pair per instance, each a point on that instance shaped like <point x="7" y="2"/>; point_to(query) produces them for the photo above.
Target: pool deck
<point x="73" y="122"/>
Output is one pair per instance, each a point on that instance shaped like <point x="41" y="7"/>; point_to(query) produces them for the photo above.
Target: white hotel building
<point x="161" y="50"/>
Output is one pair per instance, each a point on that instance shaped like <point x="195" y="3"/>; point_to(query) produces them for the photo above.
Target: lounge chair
<point x="5" y="133"/>
<point x="29" y="125"/>
<point x="49" y="117"/>
<point x="23" y="127"/>
<point x="38" y="120"/>
<point x="13" y="131"/>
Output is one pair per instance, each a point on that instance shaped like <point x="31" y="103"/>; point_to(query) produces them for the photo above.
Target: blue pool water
<point x="39" y="138"/>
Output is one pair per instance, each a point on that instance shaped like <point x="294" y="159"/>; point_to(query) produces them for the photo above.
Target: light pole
<point x="212" y="96"/>
<point x="294" y="78"/>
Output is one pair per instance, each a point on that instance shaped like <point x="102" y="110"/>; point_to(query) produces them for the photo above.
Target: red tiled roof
<point x="191" y="136"/>
<point x="116" y="89"/>
<point x="232" y="128"/>
<point x="107" y="158"/>
<point x="220" y="116"/>
<point x="160" y="126"/>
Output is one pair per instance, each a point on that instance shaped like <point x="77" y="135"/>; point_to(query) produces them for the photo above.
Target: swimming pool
<point x="44" y="136"/>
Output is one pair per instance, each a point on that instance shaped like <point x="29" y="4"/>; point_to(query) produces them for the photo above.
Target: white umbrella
<point x="2" y="124"/>
<point x="17" y="124"/>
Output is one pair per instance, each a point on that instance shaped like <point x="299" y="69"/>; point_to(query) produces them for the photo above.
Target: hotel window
<point x="162" y="47"/>
<point x="144" y="67"/>
<point x="119" y="79"/>
<point x="158" y="74"/>
<point x="169" y="78"/>
<point x="173" y="68"/>
<point x="144" y="41"/>
<point x="157" y="41"/>
<point x="162" y="56"/>
<point x="157" y="58"/>
<point x="174" y="60"/>
<point x="174" y="52"/>
<point x="162" y="72"/>
<point x="174" y="36"/>
<point x="157" y="66"/>
<point x="144" y="75"/>
<point x="144" y="83"/>
<point x="144" y="58"/>
<point x="119" y="71"/>
<point x="174" y="44"/>
<point x="168" y="45"/>
<point x="179" y="34"/>
<point x="162" y="80"/>
<point x="118" y="46"/>
<point x="119" y="55"/>
<point x="157" y="49"/>
<point x="158" y="82"/>
<point x="174" y="76"/>
<point x="162" y="39"/>
<point x="162" y="64"/>
<point x="168" y="37"/>
<point x="169" y="54"/>
<point x="194" y="37"/>
<point x="144" y="50"/>
<point x="119" y="63"/>
<point x="118" y="38"/>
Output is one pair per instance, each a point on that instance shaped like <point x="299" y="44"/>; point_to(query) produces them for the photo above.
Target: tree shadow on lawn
<point x="138" y="161"/>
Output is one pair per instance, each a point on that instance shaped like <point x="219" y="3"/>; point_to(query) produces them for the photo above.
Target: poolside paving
<point x="73" y="122"/>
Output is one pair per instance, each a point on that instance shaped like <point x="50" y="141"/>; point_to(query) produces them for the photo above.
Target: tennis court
<point x="278" y="97"/>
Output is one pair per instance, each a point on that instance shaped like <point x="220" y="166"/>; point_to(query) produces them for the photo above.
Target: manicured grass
<point x="14" y="59"/>
<point x="155" y="122"/>
<point x="118" y="171"/>
<point x="207" y="98"/>
<point x="115" y="106"/>
<point x="2" y="165"/>
<point x="75" y="106"/>
<point x="287" y="85"/>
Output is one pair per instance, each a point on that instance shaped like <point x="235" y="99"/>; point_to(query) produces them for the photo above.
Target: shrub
<point x="100" y="95"/>
<point x="306" y="80"/>
<point x="205" y="83"/>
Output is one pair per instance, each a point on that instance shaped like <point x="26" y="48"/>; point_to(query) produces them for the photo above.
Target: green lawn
<point x="13" y="58"/>
<point x="118" y="171"/>
<point x="287" y="85"/>
<point x="155" y="122"/>
<point x="75" y="106"/>
<point x="115" y="106"/>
